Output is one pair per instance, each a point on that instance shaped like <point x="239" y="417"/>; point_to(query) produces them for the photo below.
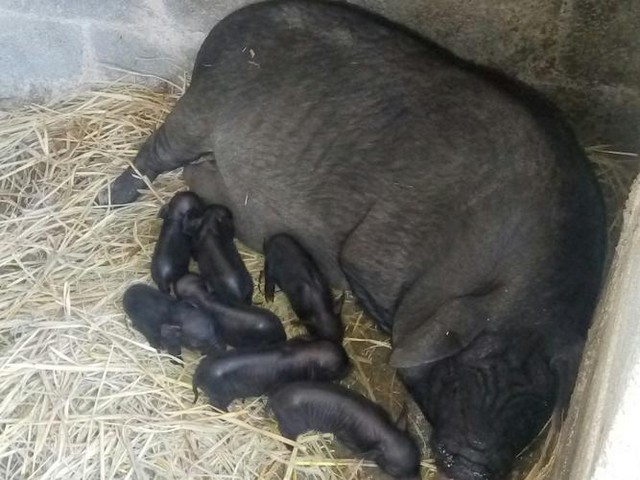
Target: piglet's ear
<point x="420" y="339"/>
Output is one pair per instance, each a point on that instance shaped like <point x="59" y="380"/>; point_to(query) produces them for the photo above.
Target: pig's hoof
<point x="122" y="191"/>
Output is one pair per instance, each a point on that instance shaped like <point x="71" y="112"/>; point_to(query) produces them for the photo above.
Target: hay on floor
<point x="82" y="395"/>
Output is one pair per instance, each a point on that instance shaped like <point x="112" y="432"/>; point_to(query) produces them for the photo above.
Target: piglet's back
<point x="304" y="406"/>
<point x="363" y="426"/>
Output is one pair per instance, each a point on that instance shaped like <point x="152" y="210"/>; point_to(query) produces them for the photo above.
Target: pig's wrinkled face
<point x="484" y="410"/>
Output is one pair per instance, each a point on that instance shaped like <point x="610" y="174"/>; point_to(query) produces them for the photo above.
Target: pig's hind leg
<point x="178" y="142"/>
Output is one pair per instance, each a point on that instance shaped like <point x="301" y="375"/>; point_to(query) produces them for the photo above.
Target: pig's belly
<point x="261" y="209"/>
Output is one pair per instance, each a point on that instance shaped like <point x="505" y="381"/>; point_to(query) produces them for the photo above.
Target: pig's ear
<point x="403" y="418"/>
<point x="419" y="338"/>
<point x="162" y="213"/>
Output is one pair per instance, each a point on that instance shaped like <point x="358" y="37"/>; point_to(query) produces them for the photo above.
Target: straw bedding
<point x="82" y="395"/>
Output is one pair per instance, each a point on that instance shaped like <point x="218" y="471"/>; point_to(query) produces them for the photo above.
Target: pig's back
<point x="360" y="138"/>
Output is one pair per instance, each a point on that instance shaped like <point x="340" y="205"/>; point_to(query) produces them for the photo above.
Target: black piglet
<point x="241" y="326"/>
<point x="170" y="324"/>
<point x="172" y="252"/>
<point x="289" y="266"/>
<point x="363" y="426"/>
<point x="218" y="258"/>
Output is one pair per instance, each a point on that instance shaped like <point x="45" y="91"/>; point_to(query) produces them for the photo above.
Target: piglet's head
<point x="181" y="204"/>
<point x="217" y="221"/>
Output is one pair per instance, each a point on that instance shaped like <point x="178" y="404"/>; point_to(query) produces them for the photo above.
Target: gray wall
<point x="584" y="53"/>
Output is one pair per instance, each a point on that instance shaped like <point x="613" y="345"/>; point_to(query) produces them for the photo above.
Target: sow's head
<point x="486" y="402"/>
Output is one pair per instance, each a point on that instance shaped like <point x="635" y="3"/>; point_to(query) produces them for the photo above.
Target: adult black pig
<point x="456" y="204"/>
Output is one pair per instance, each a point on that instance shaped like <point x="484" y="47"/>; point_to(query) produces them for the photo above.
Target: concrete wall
<point x="584" y="53"/>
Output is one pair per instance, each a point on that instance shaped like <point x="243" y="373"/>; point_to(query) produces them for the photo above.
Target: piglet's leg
<point x="179" y="141"/>
<point x="269" y="282"/>
<point x="289" y="435"/>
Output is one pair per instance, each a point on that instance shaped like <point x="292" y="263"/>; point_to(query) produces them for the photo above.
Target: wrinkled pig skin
<point x="241" y="326"/>
<point x="360" y="424"/>
<point x="246" y="373"/>
<point x="218" y="258"/>
<point x="454" y="202"/>
<point x="289" y="266"/>
<point x="508" y="387"/>
<point x="172" y="253"/>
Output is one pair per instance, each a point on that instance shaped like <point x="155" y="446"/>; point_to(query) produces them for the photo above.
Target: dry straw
<point x="82" y="395"/>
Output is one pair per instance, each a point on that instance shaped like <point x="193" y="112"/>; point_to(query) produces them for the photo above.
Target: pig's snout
<point x="441" y="476"/>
